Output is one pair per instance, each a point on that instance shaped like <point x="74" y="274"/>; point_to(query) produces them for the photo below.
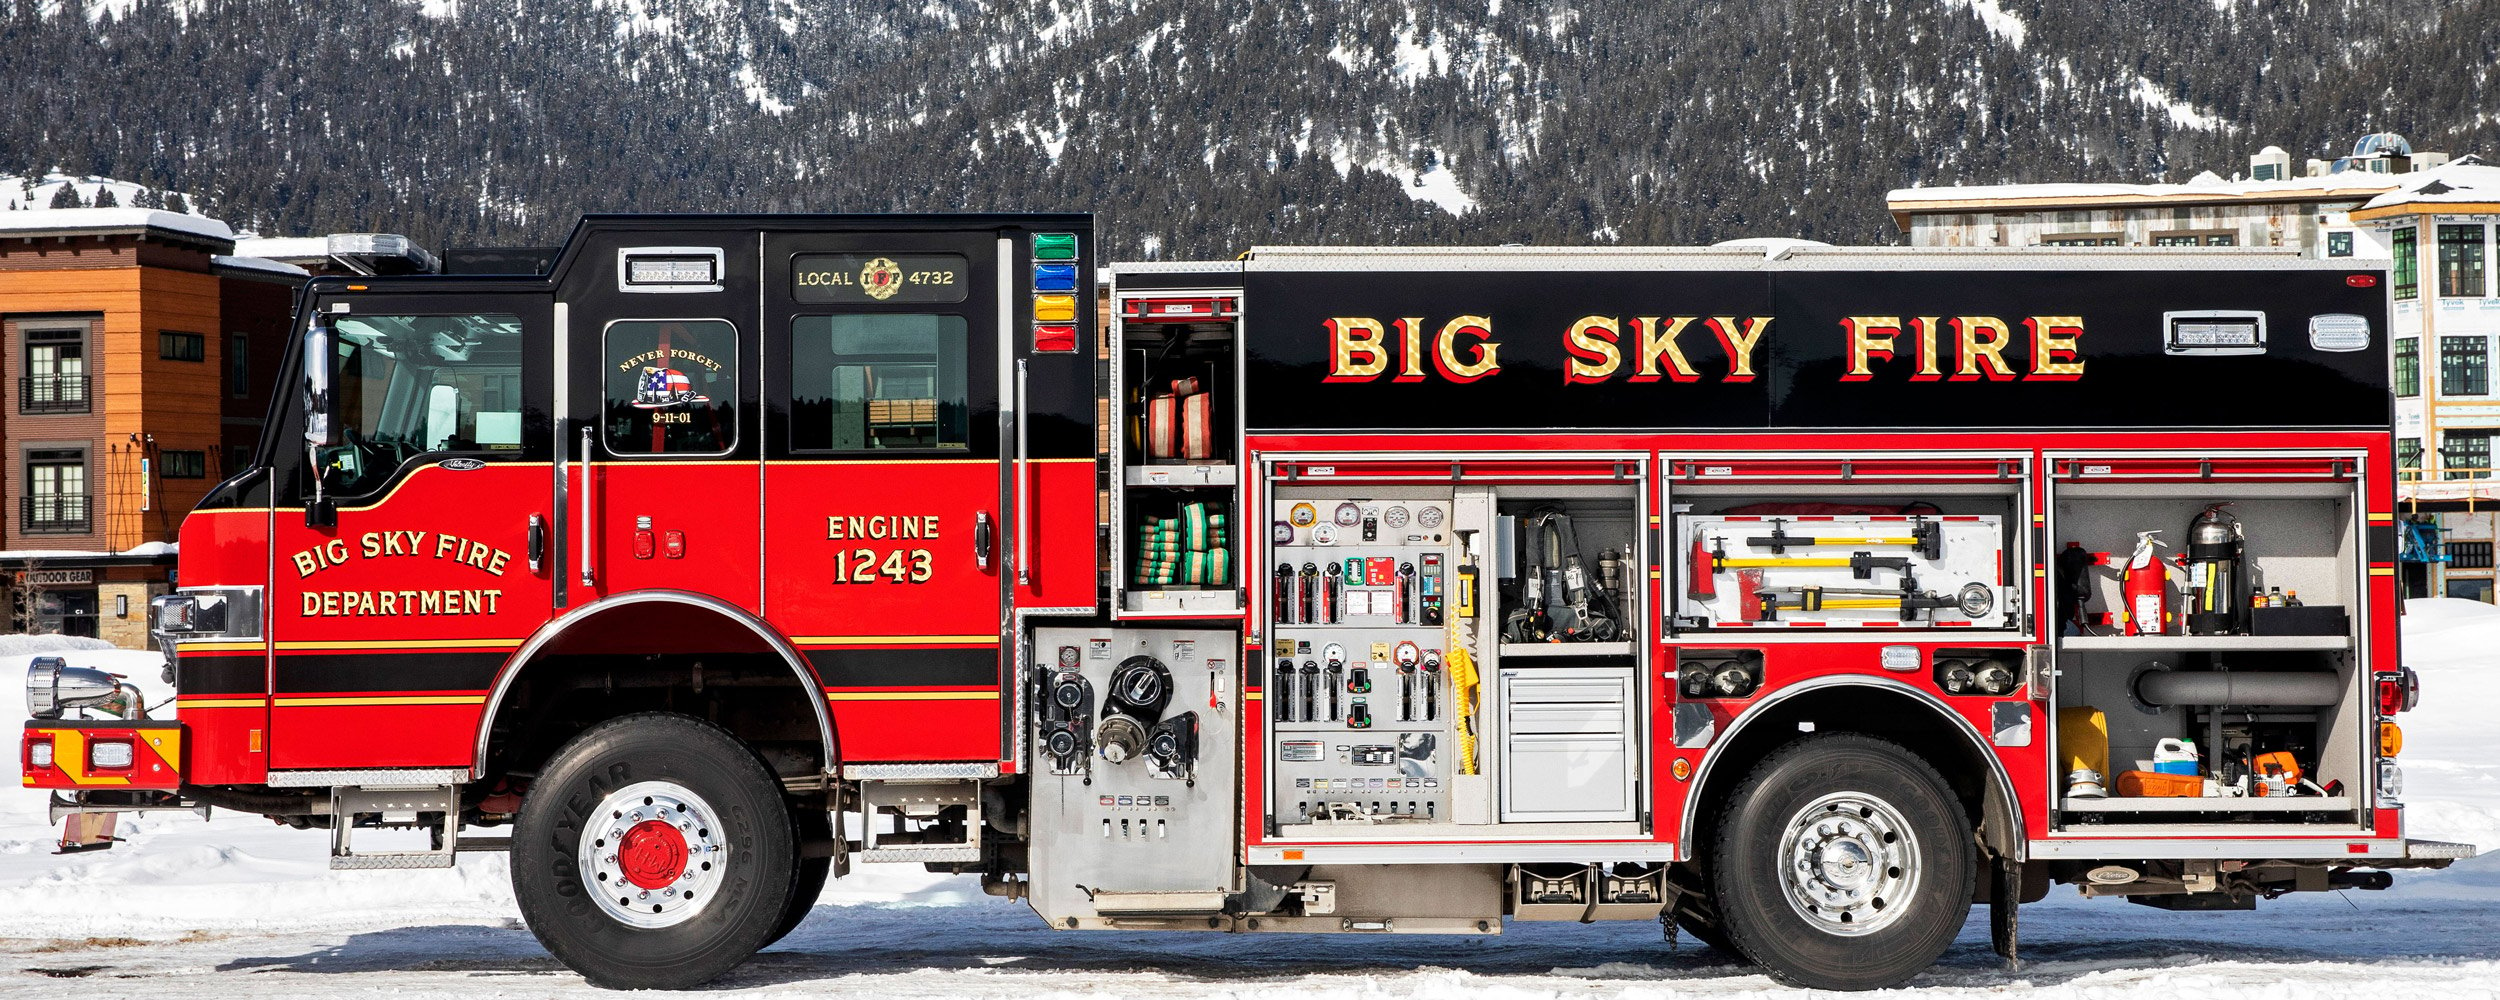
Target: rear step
<point x="394" y="807"/>
<point x="925" y="801"/>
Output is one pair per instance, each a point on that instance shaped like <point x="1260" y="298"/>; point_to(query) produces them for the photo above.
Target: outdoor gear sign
<point x="1429" y="350"/>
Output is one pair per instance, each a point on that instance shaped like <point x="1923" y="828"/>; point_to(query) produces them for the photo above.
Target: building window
<point x="56" y="492"/>
<point x="2461" y="261"/>
<point x="2408" y="367"/>
<point x="183" y="464"/>
<point x="2409" y="459"/>
<point x="2469" y="555"/>
<point x="2206" y="238"/>
<point x="2266" y="172"/>
<point x="238" y="366"/>
<point x="2081" y="240"/>
<point x="2464" y="366"/>
<point x="2408" y="267"/>
<point x="2465" y="455"/>
<point x="56" y="372"/>
<point x="2339" y="244"/>
<point x="173" y="345"/>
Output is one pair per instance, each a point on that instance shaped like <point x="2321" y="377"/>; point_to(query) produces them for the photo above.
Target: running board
<point x="394" y="807"/>
<point x="917" y="855"/>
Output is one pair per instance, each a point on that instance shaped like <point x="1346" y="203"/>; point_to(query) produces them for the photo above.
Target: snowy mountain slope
<point x="1206" y="127"/>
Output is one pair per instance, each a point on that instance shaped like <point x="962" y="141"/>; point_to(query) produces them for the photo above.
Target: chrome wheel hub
<point x="1849" y="863"/>
<point x="652" y="854"/>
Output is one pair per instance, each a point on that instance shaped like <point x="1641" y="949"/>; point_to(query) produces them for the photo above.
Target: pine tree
<point x="104" y="198"/>
<point x="67" y="197"/>
<point x="146" y="198"/>
<point x="174" y="202"/>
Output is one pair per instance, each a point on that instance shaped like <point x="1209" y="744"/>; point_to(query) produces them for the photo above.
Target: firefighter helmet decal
<point x="663" y="388"/>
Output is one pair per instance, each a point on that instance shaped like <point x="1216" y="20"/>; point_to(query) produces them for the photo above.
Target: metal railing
<point x="54" y="514"/>
<point x="2450" y="474"/>
<point x="52" y="394"/>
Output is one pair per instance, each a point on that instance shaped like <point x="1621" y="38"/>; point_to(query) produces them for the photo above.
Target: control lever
<point x="1308" y="608"/>
<point x="1332" y="597"/>
<point x="1406" y="692"/>
<point x="1336" y="677"/>
<point x="1432" y="685"/>
<point x="1280" y="688"/>
<point x="1284" y="595"/>
<point x="1310" y="691"/>
<point x="1406" y="593"/>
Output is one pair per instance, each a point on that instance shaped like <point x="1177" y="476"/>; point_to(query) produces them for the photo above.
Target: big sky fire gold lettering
<point x="431" y="546"/>
<point x="1719" y="348"/>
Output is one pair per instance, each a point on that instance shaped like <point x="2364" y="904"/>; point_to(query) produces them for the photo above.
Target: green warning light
<point x="1054" y="246"/>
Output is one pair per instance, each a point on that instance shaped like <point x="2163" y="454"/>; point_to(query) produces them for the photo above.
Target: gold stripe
<point x="2375" y="571"/>
<point x="2382" y="519"/>
<point x="912" y="461"/>
<point x="882" y="640"/>
<point x="2039" y="571"/>
<point x="252" y="645"/>
<point x="183" y="703"/>
<point x="477" y="699"/>
<point x="1252" y="696"/>
<point x="911" y="696"/>
<point x="2039" y="519"/>
<point x="404" y="644"/>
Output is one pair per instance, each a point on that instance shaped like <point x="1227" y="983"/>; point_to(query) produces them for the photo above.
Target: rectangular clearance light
<point x="669" y="269"/>
<point x="1054" y="339"/>
<point x="2339" y="332"/>
<point x="1054" y="277"/>
<point x="2213" y="332"/>
<point x="1054" y="308"/>
<point x="1054" y="246"/>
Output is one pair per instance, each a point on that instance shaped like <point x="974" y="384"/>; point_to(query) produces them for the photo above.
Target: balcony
<point x="52" y="394"/>
<point x="54" y="514"/>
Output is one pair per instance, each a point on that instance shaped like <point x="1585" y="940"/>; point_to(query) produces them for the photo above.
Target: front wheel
<point x="1845" y="863"/>
<point x="654" y="852"/>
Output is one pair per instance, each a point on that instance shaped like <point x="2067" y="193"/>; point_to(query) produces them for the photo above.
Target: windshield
<point x="415" y="385"/>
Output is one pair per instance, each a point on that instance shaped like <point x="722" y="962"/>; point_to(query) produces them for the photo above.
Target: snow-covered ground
<point x="237" y="906"/>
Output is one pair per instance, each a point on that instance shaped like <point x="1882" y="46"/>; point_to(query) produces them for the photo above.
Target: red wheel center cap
<point x="652" y="855"/>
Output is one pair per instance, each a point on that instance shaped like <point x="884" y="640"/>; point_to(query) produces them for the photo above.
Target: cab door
<point x="388" y="625"/>
<point x="885" y="542"/>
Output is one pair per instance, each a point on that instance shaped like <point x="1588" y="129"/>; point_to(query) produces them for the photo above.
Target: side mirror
<point x="321" y="424"/>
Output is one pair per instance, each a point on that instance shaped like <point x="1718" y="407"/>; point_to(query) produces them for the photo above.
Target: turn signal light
<point x="39" y="752"/>
<point x="2391" y="739"/>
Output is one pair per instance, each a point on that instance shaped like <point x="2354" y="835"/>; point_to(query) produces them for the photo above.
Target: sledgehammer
<point x="1708" y="562"/>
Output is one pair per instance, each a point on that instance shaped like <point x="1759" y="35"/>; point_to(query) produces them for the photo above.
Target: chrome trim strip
<point x="916" y="772"/>
<point x="370" y="777"/>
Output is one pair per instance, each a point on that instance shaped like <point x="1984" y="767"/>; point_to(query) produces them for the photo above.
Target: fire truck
<point x="1796" y="598"/>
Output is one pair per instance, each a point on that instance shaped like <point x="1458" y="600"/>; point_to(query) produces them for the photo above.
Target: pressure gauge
<point x="1349" y="514"/>
<point x="1282" y="534"/>
<point x="1325" y="534"/>
<point x="1394" y="517"/>
<point x="1430" y="517"/>
<point x="1304" y="515"/>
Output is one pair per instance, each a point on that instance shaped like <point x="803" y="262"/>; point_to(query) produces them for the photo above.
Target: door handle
<point x="538" y="542"/>
<point x="981" y="540"/>
<point x="590" y="577"/>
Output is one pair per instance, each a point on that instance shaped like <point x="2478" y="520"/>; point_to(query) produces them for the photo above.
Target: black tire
<point x="1910" y="869"/>
<point x="810" y="823"/>
<point x="743" y="903"/>
<point x="1699" y="918"/>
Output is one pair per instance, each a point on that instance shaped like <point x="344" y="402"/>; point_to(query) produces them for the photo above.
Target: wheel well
<point x="654" y="654"/>
<point x="1918" y="725"/>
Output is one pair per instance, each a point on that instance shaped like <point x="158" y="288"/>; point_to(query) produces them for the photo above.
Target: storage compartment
<point x="1567" y="742"/>
<point x="2167" y="664"/>
<point x="1176" y="413"/>
<point x="1566" y="568"/>
<point x="1828" y="555"/>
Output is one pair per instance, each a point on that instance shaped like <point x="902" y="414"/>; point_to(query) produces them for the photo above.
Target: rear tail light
<point x="111" y="755"/>
<point x="2398" y="691"/>
<point x="39" y="752"/>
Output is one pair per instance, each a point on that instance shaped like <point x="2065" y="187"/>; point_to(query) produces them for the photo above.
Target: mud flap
<point x="2005" y="899"/>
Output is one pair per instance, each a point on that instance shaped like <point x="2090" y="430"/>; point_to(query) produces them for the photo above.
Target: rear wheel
<point x="654" y="852"/>
<point x="1845" y="863"/>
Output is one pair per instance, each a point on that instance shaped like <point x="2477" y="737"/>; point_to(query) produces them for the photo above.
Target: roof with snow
<point x="2467" y="186"/>
<point x="115" y="222"/>
<point x="2204" y="189"/>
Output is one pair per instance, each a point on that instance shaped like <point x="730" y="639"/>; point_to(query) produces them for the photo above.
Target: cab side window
<point x="671" y="387"/>
<point x="418" y="385"/>
<point x="879" y="382"/>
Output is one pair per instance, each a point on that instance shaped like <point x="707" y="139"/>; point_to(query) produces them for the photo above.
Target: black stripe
<point x="241" y="674"/>
<point x="2382" y="542"/>
<point x="906" y="667"/>
<point x="427" y="671"/>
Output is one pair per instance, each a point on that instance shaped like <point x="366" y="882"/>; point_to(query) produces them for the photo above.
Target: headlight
<point x="39" y="753"/>
<point x="110" y="755"/>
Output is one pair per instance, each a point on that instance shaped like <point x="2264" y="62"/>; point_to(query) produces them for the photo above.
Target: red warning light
<point x="2361" y="280"/>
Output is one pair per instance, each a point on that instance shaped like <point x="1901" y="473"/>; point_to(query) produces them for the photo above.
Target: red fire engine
<point x="1796" y="597"/>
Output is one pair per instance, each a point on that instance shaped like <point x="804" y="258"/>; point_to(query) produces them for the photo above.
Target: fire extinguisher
<point x="2145" y="585"/>
<point x="2217" y="578"/>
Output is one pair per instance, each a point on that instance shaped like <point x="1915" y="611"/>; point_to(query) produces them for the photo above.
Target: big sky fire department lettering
<point x="1666" y="348"/>
<point x="438" y="547"/>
